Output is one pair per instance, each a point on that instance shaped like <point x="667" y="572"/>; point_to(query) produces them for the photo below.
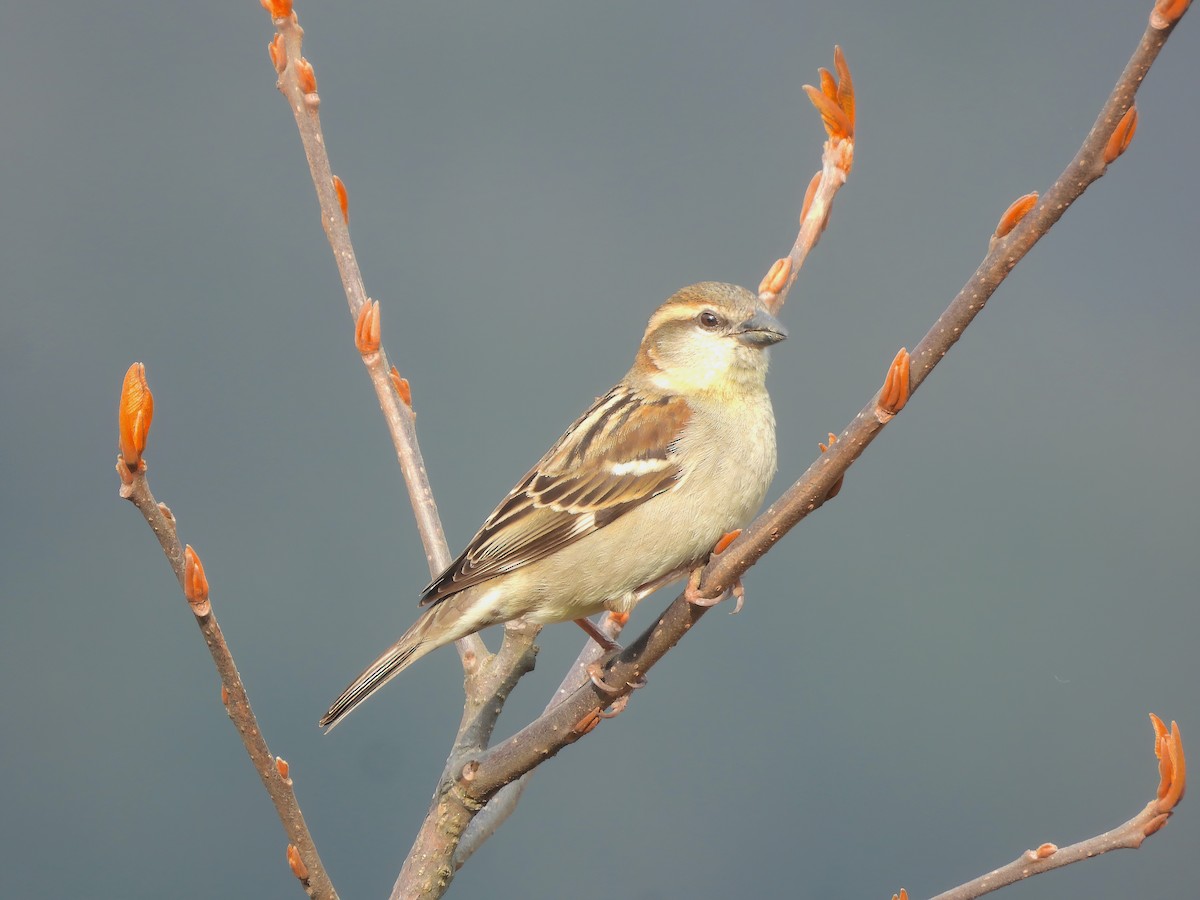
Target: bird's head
<point x="709" y="338"/>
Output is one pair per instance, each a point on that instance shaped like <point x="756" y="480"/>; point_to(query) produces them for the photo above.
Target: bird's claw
<point x="596" y="674"/>
<point x="616" y="707"/>
<point x="693" y="596"/>
<point x="739" y="596"/>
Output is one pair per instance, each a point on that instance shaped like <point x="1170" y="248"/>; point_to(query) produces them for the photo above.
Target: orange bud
<point x="279" y="9"/>
<point x="402" y="387"/>
<point x="195" y="583"/>
<point x="1174" y="749"/>
<point x="590" y="720"/>
<point x="367" y="328"/>
<point x="134" y="415"/>
<point x="224" y="695"/>
<point x="1160" y="731"/>
<point x="1045" y="850"/>
<point x="845" y="91"/>
<point x="277" y="53"/>
<point x="1120" y="140"/>
<point x="282" y="767"/>
<point x="1167" y="13"/>
<point x="894" y="393"/>
<point x="1016" y="211"/>
<point x="299" y="869"/>
<point x="776" y="277"/>
<point x="306" y="76"/>
<point x="809" y="193"/>
<point x="828" y="84"/>
<point x="725" y="541"/>
<point x="832" y="441"/>
<point x="837" y="125"/>
<point x="343" y="198"/>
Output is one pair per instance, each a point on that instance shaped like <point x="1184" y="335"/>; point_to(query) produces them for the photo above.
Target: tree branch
<point x="273" y="771"/>
<point x="1168" y="747"/>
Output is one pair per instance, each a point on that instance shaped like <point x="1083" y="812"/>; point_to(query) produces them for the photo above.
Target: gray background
<point x="948" y="665"/>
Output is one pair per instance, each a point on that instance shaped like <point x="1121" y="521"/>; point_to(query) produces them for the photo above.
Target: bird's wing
<point x="615" y="457"/>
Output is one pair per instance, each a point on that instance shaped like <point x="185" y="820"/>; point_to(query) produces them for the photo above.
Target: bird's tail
<point x="439" y="625"/>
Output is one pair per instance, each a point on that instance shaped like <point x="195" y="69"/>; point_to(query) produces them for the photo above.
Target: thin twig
<point x="297" y="83"/>
<point x="1128" y="836"/>
<point x="316" y="880"/>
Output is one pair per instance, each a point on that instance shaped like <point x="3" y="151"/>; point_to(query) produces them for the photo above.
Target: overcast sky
<point x="950" y="664"/>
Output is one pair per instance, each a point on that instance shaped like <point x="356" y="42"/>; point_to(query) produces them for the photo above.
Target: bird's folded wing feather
<point x="615" y="457"/>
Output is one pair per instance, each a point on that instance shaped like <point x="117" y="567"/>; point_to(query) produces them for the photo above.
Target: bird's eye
<point x="710" y="320"/>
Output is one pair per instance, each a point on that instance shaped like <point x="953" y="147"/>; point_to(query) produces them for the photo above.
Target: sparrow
<point x="634" y="495"/>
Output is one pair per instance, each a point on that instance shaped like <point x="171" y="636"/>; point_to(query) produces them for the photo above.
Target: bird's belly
<point x="676" y="529"/>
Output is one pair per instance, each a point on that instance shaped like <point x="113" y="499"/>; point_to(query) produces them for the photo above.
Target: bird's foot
<point x="596" y="674"/>
<point x="692" y="592"/>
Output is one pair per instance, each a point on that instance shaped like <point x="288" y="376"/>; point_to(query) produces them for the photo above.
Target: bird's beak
<point x="761" y="330"/>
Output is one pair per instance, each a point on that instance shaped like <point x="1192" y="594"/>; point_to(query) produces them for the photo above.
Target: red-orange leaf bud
<point x="339" y="188"/>
<point x="845" y="91"/>
<point x="299" y="869"/>
<point x="775" y="279"/>
<point x="367" y="330"/>
<point x="195" y="583"/>
<point x="279" y="9"/>
<point x="1167" y="13"/>
<point x="403" y="388"/>
<point x="134" y="415"/>
<point x="306" y="76"/>
<point x="1120" y="140"/>
<point x="1016" y="211"/>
